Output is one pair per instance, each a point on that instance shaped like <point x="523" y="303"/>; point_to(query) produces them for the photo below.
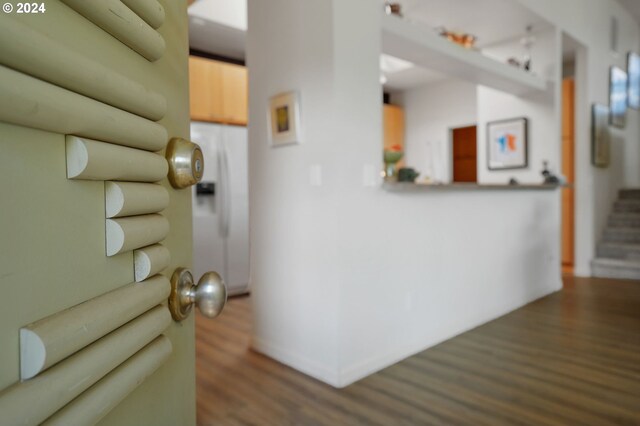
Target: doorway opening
<point x="568" y="133"/>
<point x="465" y="154"/>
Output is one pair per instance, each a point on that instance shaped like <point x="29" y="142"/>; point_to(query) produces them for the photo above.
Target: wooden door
<point x="90" y="93"/>
<point x="568" y="170"/>
<point x="465" y="159"/>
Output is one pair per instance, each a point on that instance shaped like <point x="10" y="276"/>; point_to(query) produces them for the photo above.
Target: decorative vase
<point x="391" y="158"/>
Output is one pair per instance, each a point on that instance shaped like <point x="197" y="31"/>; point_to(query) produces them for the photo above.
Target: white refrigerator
<point x="221" y="205"/>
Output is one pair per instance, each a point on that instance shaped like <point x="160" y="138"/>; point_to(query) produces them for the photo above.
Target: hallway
<point x="569" y="358"/>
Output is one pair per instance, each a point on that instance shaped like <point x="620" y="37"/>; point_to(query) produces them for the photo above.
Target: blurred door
<point x="465" y="158"/>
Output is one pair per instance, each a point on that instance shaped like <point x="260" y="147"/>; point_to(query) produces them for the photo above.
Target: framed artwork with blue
<point x="507" y="144"/>
<point x="617" y="97"/>
<point x="633" y="71"/>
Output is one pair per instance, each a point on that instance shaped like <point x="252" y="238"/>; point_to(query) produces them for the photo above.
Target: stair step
<point x="622" y="235"/>
<point x="616" y="268"/>
<point x="627" y="206"/>
<point x="629" y="193"/>
<point x="619" y="251"/>
<point x="625" y="220"/>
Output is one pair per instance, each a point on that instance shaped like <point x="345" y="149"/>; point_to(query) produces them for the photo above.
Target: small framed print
<point x="507" y="144"/>
<point x="633" y="73"/>
<point x="618" y="97"/>
<point x="284" y="118"/>
<point x="600" y="138"/>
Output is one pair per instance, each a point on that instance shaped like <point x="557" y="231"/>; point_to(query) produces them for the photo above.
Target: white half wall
<point x="421" y="268"/>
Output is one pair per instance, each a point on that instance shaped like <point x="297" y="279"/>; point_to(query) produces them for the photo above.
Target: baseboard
<point x="369" y="366"/>
<point x="360" y="370"/>
<point x="296" y="362"/>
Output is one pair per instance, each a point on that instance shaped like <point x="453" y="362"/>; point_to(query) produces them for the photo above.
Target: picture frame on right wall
<point x="507" y="144"/>
<point x="600" y="137"/>
<point x="633" y="73"/>
<point x="617" y="97"/>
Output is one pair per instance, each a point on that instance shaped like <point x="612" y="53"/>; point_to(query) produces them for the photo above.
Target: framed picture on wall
<point x="284" y="118"/>
<point x="617" y="97"/>
<point x="507" y="144"/>
<point x="633" y="71"/>
<point x="600" y="138"/>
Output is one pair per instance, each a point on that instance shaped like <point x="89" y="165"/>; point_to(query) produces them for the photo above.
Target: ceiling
<point x="412" y="77"/>
<point x="212" y="37"/>
<point x="218" y="27"/>
<point x="633" y="6"/>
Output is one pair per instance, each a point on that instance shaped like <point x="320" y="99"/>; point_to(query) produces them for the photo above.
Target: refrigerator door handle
<point x="227" y="188"/>
<point x="220" y="190"/>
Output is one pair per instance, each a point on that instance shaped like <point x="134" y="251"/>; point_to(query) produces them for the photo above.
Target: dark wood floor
<point x="572" y="358"/>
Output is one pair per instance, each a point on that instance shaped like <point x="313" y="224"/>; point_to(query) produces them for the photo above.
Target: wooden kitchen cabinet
<point x="218" y="91"/>
<point x="234" y="94"/>
<point x="393" y="122"/>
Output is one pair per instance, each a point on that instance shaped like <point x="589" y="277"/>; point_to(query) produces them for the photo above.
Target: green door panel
<point x="52" y="230"/>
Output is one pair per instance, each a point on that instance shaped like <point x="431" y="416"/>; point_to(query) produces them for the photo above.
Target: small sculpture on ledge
<point x="393" y="8"/>
<point x="407" y="174"/>
<point x="549" y="178"/>
<point x="465" y="40"/>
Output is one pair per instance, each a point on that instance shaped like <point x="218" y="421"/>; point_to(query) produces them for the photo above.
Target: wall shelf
<point x="422" y="46"/>
<point x="430" y="187"/>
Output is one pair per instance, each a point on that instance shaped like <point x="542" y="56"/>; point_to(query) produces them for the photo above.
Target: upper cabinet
<point x="393" y="122"/>
<point x="218" y="91"/>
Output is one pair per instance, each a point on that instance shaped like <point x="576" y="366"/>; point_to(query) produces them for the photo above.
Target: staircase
<point x="618" y="254"/>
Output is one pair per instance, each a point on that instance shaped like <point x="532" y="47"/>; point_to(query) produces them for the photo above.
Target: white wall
<point x="293" y="225"/>
<point x="587" y="21"/>
<point x="542" y="112"/>
<point x="431" y="111"/>
<point x="348" y="277"/>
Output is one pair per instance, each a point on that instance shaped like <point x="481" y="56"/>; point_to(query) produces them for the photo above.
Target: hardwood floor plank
<point x="430" y="399"/>
<point x="561" y="370"/>
<point x="507" y="408"/>
<point x="575" y="405"/>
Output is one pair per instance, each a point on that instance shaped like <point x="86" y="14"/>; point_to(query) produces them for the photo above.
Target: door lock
<point x="210" y="294"/>
<point x="186" y="163"/>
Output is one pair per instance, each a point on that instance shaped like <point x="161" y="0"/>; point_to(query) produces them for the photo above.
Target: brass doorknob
<point x="210" y="295"/>
<point x="186" y="163"/>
